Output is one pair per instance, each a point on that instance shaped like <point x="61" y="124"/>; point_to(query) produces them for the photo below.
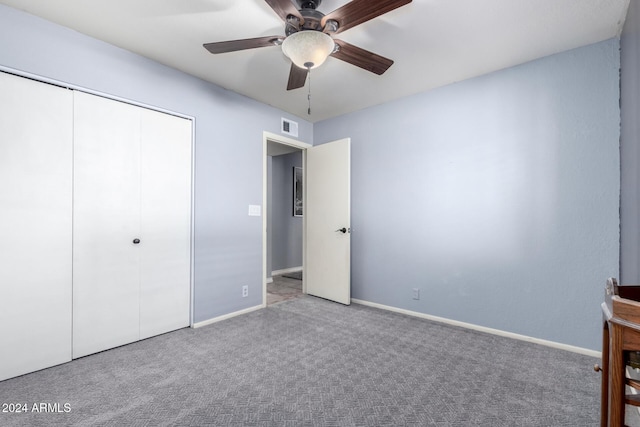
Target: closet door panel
<point x="35" y="225"/>
<point x="106" y="221"/>
<point x="165" y="221"/>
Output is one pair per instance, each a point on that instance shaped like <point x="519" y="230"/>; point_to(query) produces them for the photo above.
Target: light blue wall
<point x="228" y="144"/>
<point x="286" y="245"/>
<point x="630" y="148"/>
<point x="496" y="196"/>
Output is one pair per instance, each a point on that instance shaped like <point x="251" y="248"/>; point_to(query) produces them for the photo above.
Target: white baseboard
<point x="499" y="332"/>
<point x="286" y="270"/>
<point x="227" y="316"/>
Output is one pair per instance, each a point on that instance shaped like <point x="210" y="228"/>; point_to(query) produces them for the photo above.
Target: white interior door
<point x="165" y="269"/>
<point x="35" y="225"/>
<point x="106" y="208"/>
<point x="327" y="210"/>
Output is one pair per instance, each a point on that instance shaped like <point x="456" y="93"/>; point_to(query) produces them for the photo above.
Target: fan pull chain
<point x="309" y="95"/>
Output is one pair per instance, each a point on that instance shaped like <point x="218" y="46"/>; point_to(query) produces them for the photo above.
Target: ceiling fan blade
<point x="358" y="11"/>
<point x="284" y="8"/>
<point x="297" y="77"/>
<point x="362" y="58"/>
<point x="233" y="45"/>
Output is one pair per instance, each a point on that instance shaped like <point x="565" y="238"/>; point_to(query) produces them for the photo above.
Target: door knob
<point x="136" y="241"/>
<point x="343" y="230"/>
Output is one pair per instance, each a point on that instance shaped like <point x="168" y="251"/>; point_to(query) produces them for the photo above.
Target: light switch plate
<point x="255" y="210"/>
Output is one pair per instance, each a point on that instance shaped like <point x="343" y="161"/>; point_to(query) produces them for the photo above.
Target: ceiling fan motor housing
<point x="308" y="4"/>
<point x="312" y="21"/>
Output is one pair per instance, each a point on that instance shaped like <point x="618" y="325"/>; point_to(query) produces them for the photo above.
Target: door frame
<point x="282" y="140"/>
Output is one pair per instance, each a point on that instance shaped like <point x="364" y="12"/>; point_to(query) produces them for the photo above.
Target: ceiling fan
<point x="308" y="36"/>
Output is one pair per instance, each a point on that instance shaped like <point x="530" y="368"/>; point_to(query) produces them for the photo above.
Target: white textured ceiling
<point x="433" y="42"/>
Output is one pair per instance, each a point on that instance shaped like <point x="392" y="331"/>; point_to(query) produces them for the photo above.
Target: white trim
<point x="280" y="139"/>
<point x="266" y="137"/>
<point x="286" y="271"/>
<point x="66" y="85"/>
<point x="192" y="247"/>
<point x="227" y="316"/>
<point x="484" y="329"/>
<point x="304" y="221"/>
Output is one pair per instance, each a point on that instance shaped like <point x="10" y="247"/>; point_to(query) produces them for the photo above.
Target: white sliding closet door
<point x="106" y="293"/>
<point x="166" y="223"/>
<point x="35" y="225"/>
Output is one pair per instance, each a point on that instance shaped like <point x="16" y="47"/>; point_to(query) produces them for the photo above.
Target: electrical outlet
<point x="245" y="291"/>
<point x="416" y="293"/>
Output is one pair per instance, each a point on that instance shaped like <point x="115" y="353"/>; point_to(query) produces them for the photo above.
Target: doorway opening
<point x="283" y="223"/>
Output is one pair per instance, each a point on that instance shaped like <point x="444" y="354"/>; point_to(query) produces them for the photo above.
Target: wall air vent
<point x="289" y="127"/>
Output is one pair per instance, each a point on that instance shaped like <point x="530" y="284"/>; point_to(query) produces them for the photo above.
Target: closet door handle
<point x="136" y="241"/>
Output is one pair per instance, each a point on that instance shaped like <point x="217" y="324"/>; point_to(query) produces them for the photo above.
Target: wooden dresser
<point x="620" y="347"/>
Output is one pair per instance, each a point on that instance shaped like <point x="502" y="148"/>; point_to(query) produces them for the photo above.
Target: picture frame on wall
<point x="297" y="192"/>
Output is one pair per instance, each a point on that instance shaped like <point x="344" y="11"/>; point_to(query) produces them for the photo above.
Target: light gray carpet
<point x="309" y="362"/>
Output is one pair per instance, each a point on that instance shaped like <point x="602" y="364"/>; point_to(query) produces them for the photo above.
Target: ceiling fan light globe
<point x="308" y="49"/>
